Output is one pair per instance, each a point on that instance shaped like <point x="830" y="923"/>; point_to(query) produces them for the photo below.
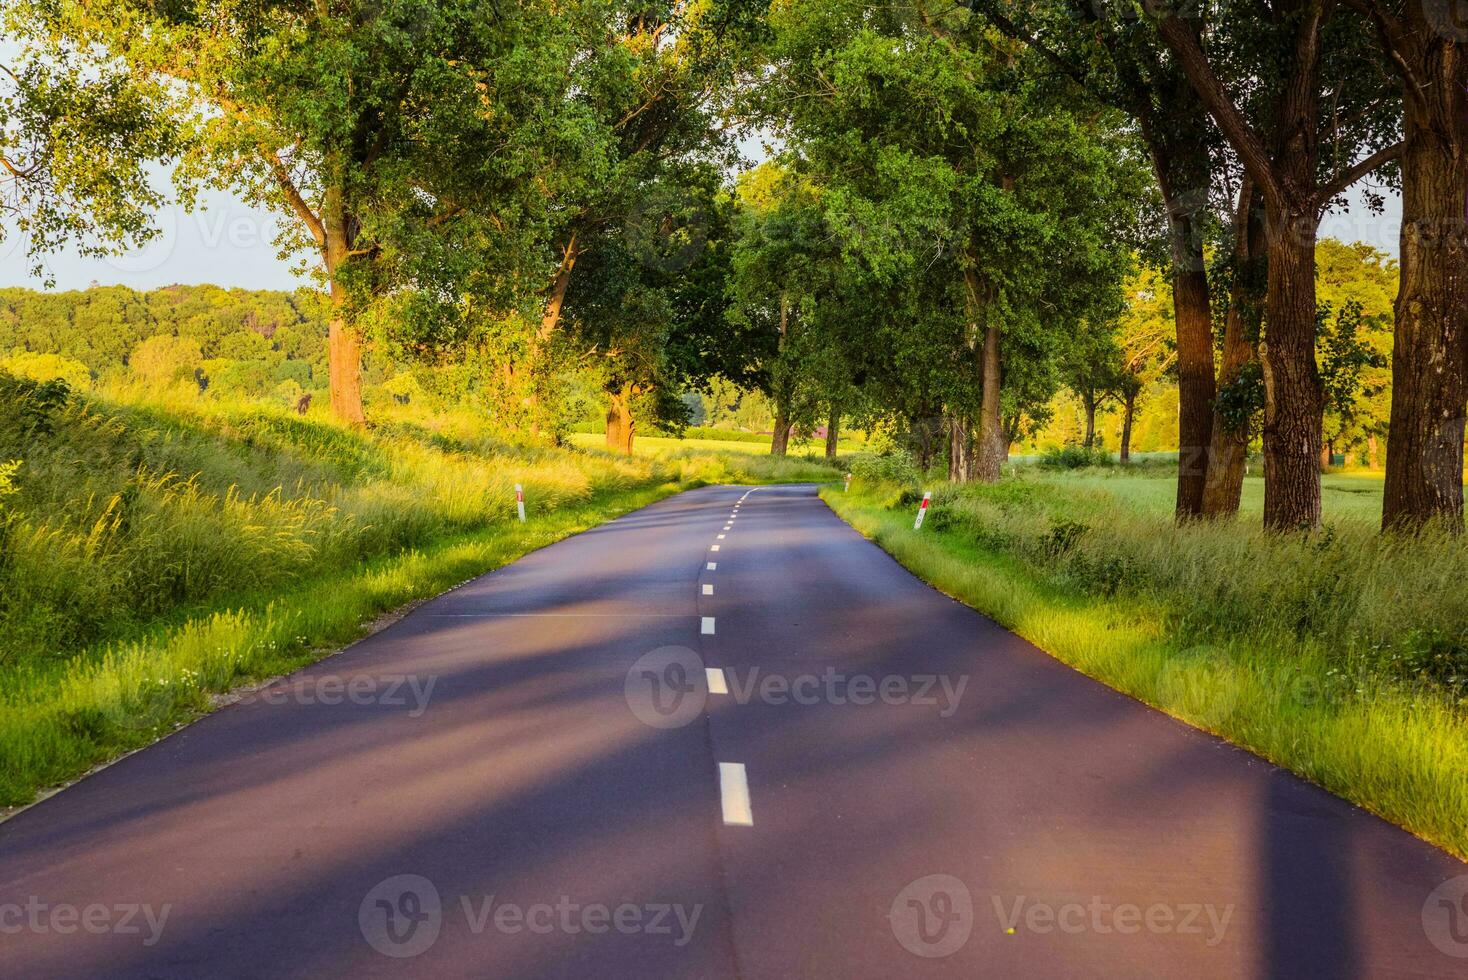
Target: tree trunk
<point x="1195" y="388"/>
<point x="620" y="424"/>
<point x="1424" y="450"/>
<point x="1293" y="401"/>
<point x="991" y="427"/>
<point x="343" y="344"/>
<point x="833" y="432"/>
<point x="1129" y="412"/>
<point x="958" y="449"/>
<point x="780" y="443"/>
<point x="1090" y="403"/>
<point x="925" y="443"/>
<point x="1228" y="448"/>
<point x="1373" y="453"/>
<point x="1325" y="455"/>
<point x="549" y="320"/>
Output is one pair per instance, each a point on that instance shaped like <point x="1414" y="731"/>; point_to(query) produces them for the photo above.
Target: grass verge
<point x="1398" y="749"/>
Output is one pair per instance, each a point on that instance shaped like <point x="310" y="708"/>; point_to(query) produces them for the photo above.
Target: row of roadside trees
<point x="945" y="234"/>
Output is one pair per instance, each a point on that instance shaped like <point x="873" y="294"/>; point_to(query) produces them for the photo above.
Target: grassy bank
<point x="154" y="554"/>
<point x="1341" y="655"/>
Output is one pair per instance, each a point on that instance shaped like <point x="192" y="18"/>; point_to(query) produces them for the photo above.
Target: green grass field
<point x="1151" y="489"/>
<point x="155" y="554"/>
<point x="1341" y="655"/>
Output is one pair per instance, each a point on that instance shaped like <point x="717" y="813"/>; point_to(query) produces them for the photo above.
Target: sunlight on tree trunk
<point x="620" y="424"/>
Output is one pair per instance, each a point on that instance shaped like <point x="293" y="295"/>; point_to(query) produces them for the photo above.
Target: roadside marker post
<point x="847" y="488"/>
<point x="520" y="501"/>
<point x="922" y="510"/>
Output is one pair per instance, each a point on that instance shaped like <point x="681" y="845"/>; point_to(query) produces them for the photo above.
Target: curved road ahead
<point x="632" y="755"/>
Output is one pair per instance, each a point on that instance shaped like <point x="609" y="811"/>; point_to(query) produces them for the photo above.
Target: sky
<point x="227" y="242"/>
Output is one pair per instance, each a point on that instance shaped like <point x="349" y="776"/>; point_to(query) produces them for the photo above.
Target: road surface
<point x="723" y="736"/>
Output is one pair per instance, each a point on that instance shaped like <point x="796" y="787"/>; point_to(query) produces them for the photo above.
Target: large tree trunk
<point x="1424" y="450"/>
<point x="343" y="344"/>
<point x="1195" y="388"/>
<point x="1293" y="400"/>
<point x="620" y="424"/>
<point x="1129" y="413"/>
<point x="1229" y="446"/>
<point x="1184" y="175"/>
<point x="550" y="319"/>
<point x="958" y="449"/>
<point x="833" y="432"/>
<point x="780" y="442"/>
<point x="991" y="448"/>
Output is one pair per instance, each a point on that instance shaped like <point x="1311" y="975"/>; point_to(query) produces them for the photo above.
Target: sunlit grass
<point x="1333" y="655"/>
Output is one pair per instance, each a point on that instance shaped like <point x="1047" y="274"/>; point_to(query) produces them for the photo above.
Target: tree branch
<point x="1355" y="172"/>
<point x="1194" y="63"/>
<point x="293" y="195"/>
<point x="1394" y="42"/>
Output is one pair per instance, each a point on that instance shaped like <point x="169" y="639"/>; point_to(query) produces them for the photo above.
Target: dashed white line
<point x="713" y="547"/>
<point x="712" y="565"/>
<point x="721" y="537"/>
<point x="708" y="589"/>
<point x="734" y="792"/>
<point x="715" y="678"/>
<point x="707" y="629"/>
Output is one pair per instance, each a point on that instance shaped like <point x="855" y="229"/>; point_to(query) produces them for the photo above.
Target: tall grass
<point x="1342" y="655"/>
<point x="154" y="550"/>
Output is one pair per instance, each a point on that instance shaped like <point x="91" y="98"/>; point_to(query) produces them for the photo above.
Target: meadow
<point x="1341" y="654"/>
<point x="156" y="550"/>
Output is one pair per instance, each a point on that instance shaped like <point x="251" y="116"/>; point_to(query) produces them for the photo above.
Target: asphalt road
<point x="630" y="755"/>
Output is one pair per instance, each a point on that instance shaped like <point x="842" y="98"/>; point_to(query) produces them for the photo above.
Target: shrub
<point x="895" y="467"/>
<point x="1075" y="457"/>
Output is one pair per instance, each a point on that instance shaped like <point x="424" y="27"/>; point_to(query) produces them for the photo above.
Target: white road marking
<point x="715" y="678"/>
<point x="713" y="565"/>
<point x="734" y="791"/>
<point x="713" y="547"/>
<point x="708" y="589"/>
<point x="721" y="537"/>
<point x="708" y="626"/>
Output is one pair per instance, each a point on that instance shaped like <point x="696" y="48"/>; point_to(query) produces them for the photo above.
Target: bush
<point x="1075" y="457"/>
<point x="895" y="467"/>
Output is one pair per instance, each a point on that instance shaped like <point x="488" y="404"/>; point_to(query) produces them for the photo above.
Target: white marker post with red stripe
<point x="922" y="510"/>
<point x="520" y="501"/>
<point x="848" y="484"/>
